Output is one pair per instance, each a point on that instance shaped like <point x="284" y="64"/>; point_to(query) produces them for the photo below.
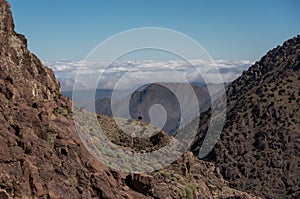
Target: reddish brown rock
<point x="143" y="183"/>
<point x="3" y="194"/>
<point x="41" y="154"/>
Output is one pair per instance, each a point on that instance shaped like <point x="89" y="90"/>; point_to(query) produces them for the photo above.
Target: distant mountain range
<point x="144" y="98"/>
<point x="84" y="99"/>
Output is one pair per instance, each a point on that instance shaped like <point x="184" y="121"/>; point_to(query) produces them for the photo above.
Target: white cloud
<point x="143" y="71"/>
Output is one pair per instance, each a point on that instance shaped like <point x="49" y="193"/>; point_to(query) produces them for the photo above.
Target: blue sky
<point x="231" y="29"/>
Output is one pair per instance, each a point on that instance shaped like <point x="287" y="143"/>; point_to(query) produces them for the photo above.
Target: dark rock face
<point x="143" y="183"/>
<point x="4" y="194"/>
<point x="41" y="155"/>
<point x="259" y="149"/>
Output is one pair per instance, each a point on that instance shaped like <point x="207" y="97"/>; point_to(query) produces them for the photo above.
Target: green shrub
<point x="189" y="192"/>
<point x="165" y="174"/>
<point x="281" y="91"/>
<point x="50" y="138"/>
<point x="6" y="101"/>
<point x="271" y="95"/>
<point x="50" y="129"/>
<point x="59" y="110"/>
<point x="72" y="182"/>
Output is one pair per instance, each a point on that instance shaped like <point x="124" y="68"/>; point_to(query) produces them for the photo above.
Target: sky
<point x="229" y="30"/>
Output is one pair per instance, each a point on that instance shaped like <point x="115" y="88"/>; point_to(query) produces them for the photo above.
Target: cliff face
<point x="22" y="68"/>
<point x="41" y="156"/>
<point x="260" y="144"/>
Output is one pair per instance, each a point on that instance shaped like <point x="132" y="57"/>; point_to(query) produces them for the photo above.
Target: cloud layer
<point x="125" y="74"/>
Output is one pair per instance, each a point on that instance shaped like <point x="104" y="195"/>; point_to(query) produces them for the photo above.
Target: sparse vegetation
<point x="281" y="91"/>
<point x="59" y="110"/>
<point x="165" y="174"/>
<point x="6" y="101"/>
<point x="50" y="129"/>
<point x="188" y="192"/>
<point x="50" y="138"/>
<point x="72" y="182"/>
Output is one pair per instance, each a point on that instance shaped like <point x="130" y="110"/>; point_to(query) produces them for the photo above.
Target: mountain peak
<point x="6" y="19"/>
<point x="25" y="77"/>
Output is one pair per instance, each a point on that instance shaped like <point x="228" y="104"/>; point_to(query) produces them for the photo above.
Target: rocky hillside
<point x="259" y="149"/>
<point x="41" y="155"/>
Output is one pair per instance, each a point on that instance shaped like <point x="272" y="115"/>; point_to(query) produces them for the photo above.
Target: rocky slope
<point x="41" y="155"/>
<point x="259" y="149"/>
